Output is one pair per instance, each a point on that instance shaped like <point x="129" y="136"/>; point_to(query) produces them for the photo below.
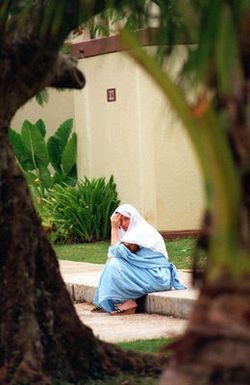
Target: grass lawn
<point x="180" y="252"/>
<point x="147" y="346"/>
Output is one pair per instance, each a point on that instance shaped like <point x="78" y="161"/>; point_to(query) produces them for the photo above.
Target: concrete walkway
<point x="129" y="327"/>
<point x="82" y="279"/>
<point x="163" y="314"/>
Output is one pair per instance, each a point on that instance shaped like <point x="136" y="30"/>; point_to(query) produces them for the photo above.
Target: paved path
<point x="164" y="314"/>
<point x="130" y="327"/>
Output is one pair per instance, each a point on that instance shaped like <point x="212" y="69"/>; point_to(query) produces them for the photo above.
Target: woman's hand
<point x="115" y="223"/>
<point x="115" y="220"/>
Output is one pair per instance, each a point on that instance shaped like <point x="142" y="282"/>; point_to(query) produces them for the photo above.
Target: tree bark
<point x="215" y="348"/>
<point x="216" y="345"/>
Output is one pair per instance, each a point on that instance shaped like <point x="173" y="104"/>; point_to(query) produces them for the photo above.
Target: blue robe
<point x="129" y="276"/>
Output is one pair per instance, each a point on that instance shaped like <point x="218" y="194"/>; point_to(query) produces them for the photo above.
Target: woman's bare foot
<point x="129" y="304"/>
<point x="127" y="307"/>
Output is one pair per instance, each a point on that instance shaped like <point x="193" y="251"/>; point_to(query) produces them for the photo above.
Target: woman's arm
<point x="115" y="223"/>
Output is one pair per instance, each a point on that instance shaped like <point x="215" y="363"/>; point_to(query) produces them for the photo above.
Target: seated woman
<point x="137" y="264"/>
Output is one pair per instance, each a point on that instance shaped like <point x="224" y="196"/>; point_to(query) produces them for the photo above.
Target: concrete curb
<point x="166" y="305"/>
<point x="81" y="293"/>
<point x="82" y="279"/>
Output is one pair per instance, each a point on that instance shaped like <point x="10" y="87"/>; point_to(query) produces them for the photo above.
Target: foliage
<point x="148" y="346"/>
<point x="42" y="97"/>
<point x="110" y="20"/>
<point x="82" y="212"/>
<point x="37" y="157"/>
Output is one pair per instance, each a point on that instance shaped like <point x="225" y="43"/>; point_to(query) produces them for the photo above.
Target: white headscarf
<point x="140" y="231"/>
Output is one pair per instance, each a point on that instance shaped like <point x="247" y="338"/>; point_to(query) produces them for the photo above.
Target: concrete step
<point x="82" y="279"/>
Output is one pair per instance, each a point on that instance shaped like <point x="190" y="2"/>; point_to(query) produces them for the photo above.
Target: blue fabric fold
<point x="129" y="276"/>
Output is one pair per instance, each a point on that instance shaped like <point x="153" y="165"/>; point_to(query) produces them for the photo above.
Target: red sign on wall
<point x="111" y="94"/>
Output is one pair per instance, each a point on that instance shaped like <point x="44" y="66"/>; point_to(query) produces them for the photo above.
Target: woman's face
<point x="124" y="223"/>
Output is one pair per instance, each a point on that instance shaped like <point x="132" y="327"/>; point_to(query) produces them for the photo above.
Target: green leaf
<point x="57" y="142"/>
<point x="225" y="48"/>
<point x="200" y="58"/>
<point x="71" y="177"/>
<point x="25" y="134"/>
<point x="35" y="142"/>
<point x="45" y="176"/>
<point x="69" y="154"/>
<point x="30" y="177"/>
<point x="58" y="177"/>
<point x="41" y="126"/>
<point x="53" y="147"/>
<point x="21" y="152"/>
<point x="42" y="97"/>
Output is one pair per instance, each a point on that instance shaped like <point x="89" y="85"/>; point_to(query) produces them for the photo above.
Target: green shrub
<point x="81" y="213"/>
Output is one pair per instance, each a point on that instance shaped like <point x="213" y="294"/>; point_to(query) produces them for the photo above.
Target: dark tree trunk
<point x="215" y="348"/>
<point x="41" y="334"/>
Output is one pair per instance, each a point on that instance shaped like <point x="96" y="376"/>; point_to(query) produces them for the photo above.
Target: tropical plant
<point x="109" y="21"/>
<point x="45" y="163"/>
<point x="42" y="97"/>
<point x="81" y="213"/>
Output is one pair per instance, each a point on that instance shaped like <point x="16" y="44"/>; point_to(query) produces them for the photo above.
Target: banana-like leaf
<point x="41" y="126"/>
<point x="58" y="177"/>
<point x="32" y="153"/>
<point x="35" y="142"/>
<point x="22" y="153"/>
<point x="30" y="177"/>
<point x="71" y="177"/>
<point x="46" y="179"/>
<point x="54" y="151"/>
<point x="42" y="97"/>
<point x="57" y="142"/>
<point x="69" y="154"/>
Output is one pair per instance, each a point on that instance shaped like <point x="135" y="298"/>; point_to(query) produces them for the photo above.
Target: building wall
<point x="138" y="140"/>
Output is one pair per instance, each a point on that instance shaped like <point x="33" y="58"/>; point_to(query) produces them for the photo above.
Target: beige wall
<point x="138" y="140"/>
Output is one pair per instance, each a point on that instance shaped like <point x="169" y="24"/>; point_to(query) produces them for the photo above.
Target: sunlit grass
<point x="83" y="252"/>
<point x="147" y="346"/>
